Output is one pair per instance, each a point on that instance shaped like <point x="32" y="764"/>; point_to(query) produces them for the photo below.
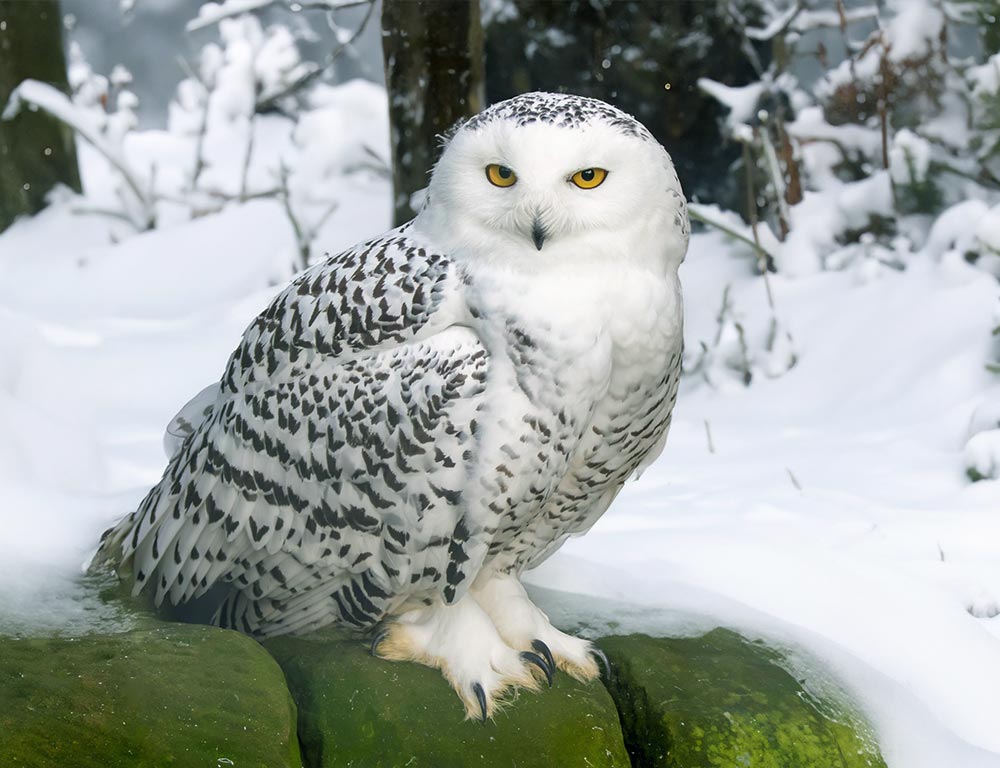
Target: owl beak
<point x="538" y="233"/>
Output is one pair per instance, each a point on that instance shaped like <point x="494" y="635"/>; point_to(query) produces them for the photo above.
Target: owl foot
<point x="523" y="625"/>
<point x="462" y="642"/>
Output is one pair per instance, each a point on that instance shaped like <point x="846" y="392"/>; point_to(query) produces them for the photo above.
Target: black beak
<point x="538" y="233"/>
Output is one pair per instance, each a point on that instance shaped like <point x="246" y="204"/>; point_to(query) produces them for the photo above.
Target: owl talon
<point x="538" y="661"/>
<point x="480" y="694"/>
<point x="543" y="650"/>
<point x="379" y="637"/>
<point x="600" y="656"/>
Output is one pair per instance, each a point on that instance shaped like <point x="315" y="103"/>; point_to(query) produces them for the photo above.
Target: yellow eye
<point x="589" y="178"/>
<point x="500" y="175"/>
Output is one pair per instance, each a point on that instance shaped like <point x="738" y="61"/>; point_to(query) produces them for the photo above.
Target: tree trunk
<point x="36" y="150"/>
<point x="433" y="51"/>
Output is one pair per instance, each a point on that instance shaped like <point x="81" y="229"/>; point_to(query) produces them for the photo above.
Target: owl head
<point x="547" y="178"/>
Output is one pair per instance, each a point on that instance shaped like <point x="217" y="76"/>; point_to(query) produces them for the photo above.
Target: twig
<point x="109" y="212"/>
<point x="764" y="263"/>
<point x="695" y="212"/>
<point x="199" y="147"/>
<point x="303" y="235"/>
<point x="983" y="178"/>
<point x="777" y="179"/>
<point x="747" y="369"/>
<point x="300" y="238"/>
<point x="746" y="46"/>
<point x="708" y="436"/>
<point x="720" y="318"/>
<point x="245" y="173"/>
<point x="791" y="476"/>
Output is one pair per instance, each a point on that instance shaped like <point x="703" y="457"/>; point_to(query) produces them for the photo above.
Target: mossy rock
<point x="167" y="695"/>
<point x="360" y="711"/>
<point x="720" y="701"/>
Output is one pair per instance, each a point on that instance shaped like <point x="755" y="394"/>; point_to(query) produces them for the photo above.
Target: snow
<point x="955" y="228"/>
<point x="988" y="230"/>
<point x="909" y="158"/>
<point x="741" y="101"/>
<point x="915" y="29"/>
<point x="985" y="78"/>
<point x="982" y="454"/>
<point x="824" y="508"/>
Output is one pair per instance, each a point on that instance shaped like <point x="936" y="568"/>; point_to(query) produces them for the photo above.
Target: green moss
<point x="173" y="695"/>
<point x="356" y="710"/>
<point x="721" y="701"/>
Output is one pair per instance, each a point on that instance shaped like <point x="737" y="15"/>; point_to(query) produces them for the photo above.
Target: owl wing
<point x="326" y="477"/>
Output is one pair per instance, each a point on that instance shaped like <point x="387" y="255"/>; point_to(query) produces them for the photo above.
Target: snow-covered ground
<point x="827" y="509"/>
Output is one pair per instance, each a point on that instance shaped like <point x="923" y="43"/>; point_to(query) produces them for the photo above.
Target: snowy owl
<point x="414" y="422"/>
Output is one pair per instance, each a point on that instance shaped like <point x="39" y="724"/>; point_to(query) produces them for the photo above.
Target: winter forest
<point x="808" y="575"/>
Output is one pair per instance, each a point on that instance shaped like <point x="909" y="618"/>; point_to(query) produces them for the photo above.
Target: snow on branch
<point x="38" y="95"/>
<point x="213" y="13"/>
<point x="740" y="100"/>
<point x="800" y="18"/>
<point x="778" y="24"/>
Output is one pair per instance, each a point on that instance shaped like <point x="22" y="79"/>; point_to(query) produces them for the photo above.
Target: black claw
<point x="379" y="637"/>
<point x="546" y="654"/>
<point x="598" y="654"/>
<point x="481" y="698"/>
<point x="538" y="661"/>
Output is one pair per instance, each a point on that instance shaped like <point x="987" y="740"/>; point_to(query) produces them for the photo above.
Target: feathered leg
<point x="523" y="625"/>
<point x="462" y="642"/>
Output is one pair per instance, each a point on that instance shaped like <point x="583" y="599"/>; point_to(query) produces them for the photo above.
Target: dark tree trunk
<point x="36" y="150"/>
<point x="433" y="51"/>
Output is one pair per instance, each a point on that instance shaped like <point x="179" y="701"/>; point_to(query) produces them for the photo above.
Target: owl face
<point x="545" y="178"/>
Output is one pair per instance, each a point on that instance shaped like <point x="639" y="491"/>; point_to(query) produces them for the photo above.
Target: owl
<point x="414" y="422"/>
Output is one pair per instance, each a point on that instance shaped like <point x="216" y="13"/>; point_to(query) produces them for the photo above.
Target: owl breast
<point x="601" y="378"/>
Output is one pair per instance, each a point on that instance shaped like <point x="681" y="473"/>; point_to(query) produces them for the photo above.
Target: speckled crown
<point x="564" y="110"/>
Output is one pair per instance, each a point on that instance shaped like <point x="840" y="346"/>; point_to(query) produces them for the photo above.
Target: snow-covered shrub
<point x="892" y="150"/>
<point x="238" y="128"/>
<point x="879" y="144"/>
<point x="982" y="456"/>
<point x="910" y="170"/>
<point x="984" y="82"/>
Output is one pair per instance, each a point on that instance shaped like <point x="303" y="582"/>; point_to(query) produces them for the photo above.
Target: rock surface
<point x="167" y="694"/>
<point x="720" y="701"/>
<point x="170" y="694"/>
<point x="356" y="710"/>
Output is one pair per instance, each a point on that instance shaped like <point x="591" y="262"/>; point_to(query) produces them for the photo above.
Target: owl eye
<point x="500" y="175"/>
<point x="589" y="178"/>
